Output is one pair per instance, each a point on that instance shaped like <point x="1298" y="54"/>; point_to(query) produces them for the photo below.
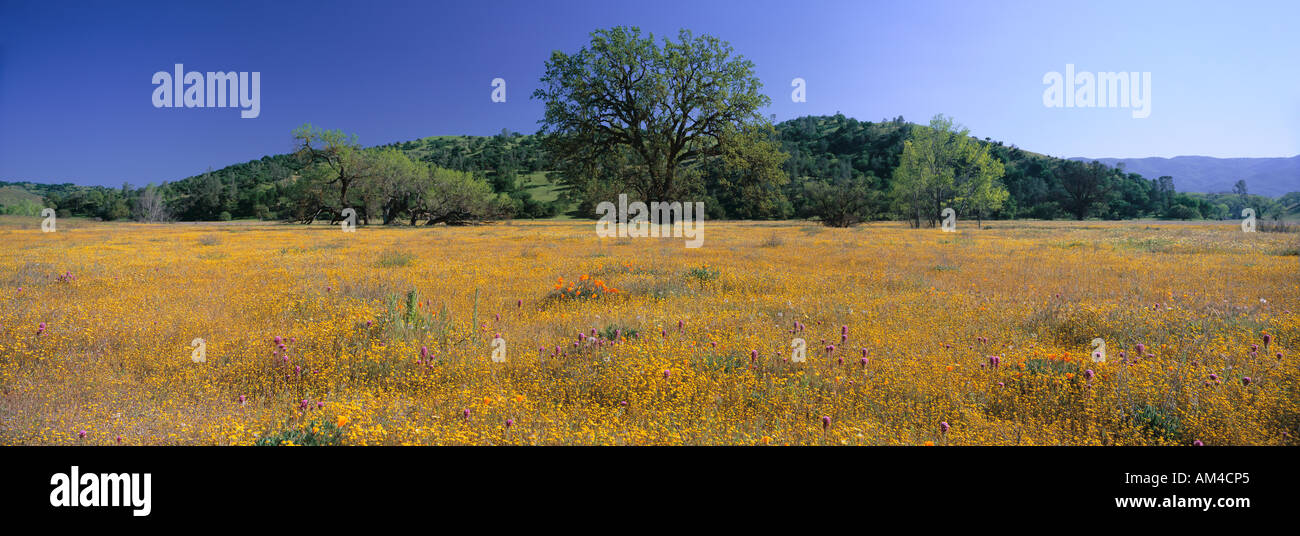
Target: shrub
<point x="401" y="322"/>
<point x="1157" y="422"/>
<point x="612" y="331"/>
<point x="313" y="434"/>
<point x="1050" y="366"/>
<point x="1184" y="212"/>
<point x="394" y="258"/>
<point x="703" y="274"/>
<point x="840" y="203"/>
<point x="725" y="363"/>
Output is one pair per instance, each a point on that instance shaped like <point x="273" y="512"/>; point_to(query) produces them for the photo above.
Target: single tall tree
<point x="150" y="206"/>
<point x="977" y="181"/>
<point x="337" y="151"/>
<point x="1085" y="185"/>
<point x="635" y="114"/>
<point x="943" y="167"/>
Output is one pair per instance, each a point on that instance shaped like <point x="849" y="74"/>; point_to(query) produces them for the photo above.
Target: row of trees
<point x="382" y="184"/>
<point x="506" y="161"/>
<point x="671" y="120"/>
<point x="833" y="173"/>
<point x="327" y="172"/>
<point x="679" y="120"/>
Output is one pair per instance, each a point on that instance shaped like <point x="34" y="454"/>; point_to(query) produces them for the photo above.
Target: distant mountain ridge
<point x="1272" y="177"/>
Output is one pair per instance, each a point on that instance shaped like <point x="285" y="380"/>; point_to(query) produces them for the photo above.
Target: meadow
<point x="386" y="336"/>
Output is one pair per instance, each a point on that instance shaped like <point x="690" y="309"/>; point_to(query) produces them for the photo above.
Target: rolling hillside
<point x="821" y="148"/>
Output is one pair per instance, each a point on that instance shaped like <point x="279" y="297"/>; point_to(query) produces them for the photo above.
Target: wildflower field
<point x="541" y="333"/>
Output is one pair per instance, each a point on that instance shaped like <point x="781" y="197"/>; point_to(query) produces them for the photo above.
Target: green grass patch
<point x="312" y="434"/>
<point x="703" y="274"/>
<point x="1054" y="367"/>
<point x="394" y="259"/>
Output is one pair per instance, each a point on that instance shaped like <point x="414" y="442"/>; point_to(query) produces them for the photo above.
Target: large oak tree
<point x="625" y="114"/>
<point x="339" y="152"/>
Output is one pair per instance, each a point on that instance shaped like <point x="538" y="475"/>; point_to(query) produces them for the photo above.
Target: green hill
<point x="15" y="194"/>
<point x="824" y="150"/>
<point x="26" y="198"/>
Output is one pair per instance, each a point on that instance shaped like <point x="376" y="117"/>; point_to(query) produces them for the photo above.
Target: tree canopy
<point x="628" y="114"/>
<point x="943" y="167"/>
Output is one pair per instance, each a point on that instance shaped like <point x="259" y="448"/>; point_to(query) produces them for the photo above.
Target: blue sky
<point x="75" y="78"/>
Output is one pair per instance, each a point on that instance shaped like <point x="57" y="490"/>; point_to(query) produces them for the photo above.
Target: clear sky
<point x="75" y="79"/>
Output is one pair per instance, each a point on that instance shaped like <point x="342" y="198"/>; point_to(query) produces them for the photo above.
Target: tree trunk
<point x="343" y="193"/>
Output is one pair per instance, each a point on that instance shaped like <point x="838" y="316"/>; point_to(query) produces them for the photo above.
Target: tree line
<point x="662" y="120"/>
<point x="837" y="170"/>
